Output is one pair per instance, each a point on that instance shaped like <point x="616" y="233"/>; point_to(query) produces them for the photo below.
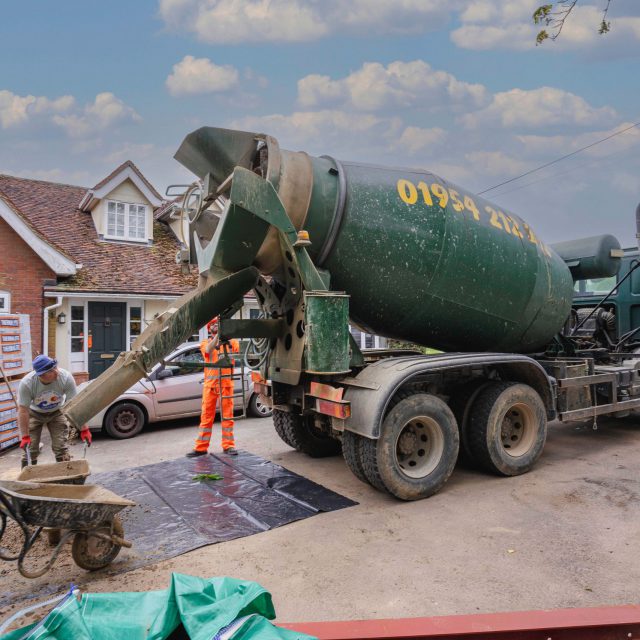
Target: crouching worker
<point x="41" y="395"/>
<point x="216" y="386"/>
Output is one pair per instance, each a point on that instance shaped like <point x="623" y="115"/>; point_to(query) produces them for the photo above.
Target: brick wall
<point x="23" y="273"/>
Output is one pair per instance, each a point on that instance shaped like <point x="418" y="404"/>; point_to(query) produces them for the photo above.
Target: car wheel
<point x="257" y="408"/>
<point x="124" y="420"/>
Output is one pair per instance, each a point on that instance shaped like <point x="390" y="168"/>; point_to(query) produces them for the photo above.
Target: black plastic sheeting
<point x="175" y="513"/>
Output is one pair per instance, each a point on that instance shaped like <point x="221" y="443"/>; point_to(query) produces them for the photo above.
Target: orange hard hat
<point x="212" y="324"/>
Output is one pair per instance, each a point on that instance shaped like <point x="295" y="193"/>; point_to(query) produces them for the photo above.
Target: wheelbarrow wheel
<point x="92" y="553"/>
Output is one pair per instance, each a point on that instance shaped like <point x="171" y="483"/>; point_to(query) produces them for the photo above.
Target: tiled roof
<point x="117" y="170"/>
<point x="51" y="209"/>
<point x="166" y="206"/>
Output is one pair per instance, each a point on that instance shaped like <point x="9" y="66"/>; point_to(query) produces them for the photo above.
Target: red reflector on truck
<point x="335" y="409"/>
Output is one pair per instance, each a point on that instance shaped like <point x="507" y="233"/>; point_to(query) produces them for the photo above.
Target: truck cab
<point x="620" y="313"/>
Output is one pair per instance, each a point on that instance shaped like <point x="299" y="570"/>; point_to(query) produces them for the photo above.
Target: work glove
<point x="85" y="436"/>
<point x="25" y="442"/>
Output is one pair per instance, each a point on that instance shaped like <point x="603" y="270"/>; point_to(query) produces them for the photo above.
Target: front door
<point x="108" y="333"/>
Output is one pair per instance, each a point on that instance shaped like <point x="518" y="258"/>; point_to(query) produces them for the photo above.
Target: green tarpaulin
<point x="204" y="609"/>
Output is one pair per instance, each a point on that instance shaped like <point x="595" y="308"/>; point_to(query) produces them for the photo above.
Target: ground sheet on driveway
<point x="175" y="513"/>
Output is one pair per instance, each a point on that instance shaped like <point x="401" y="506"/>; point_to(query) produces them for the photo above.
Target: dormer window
<point x="126" y="221"/>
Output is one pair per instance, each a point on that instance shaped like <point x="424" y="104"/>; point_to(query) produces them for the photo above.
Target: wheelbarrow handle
<point x="27" y="450"/>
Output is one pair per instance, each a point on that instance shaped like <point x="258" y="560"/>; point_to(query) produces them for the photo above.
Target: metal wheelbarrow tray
<point x="85" y="512"/>
<point x="70" y="472"/>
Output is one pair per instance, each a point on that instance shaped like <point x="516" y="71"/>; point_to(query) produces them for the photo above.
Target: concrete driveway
<point x="565" y="535"/>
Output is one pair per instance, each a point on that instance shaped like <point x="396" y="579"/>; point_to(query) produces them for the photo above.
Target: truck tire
<point x="417" y="448"/>
<point x="281" y="422"/>
<point x="124" y="420"/>
<point x="508" y="428"/>
<point x="460" y="403"/>
<point x="304" y="437"/>
<point x="352" y="453"/>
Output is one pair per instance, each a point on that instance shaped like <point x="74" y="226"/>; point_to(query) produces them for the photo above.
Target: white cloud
<point x="627" y="182"/>
<point x="105" y="111"/>
<point x="416" y="139"/>
<point x="543" y="107"/>
<point x="200" y="75"/>
<point x="497" y="163"/>
<point x="234" y="21"/>
<point x="16" y="110"/>
<point x="562" y="144"/>
<point x="494" y="24"/>
<point x="312" y="125"/>
<point x="130" y="151"/>
<point x="375" y="87"/>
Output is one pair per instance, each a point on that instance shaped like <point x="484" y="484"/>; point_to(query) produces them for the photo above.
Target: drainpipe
<point x="45" y="324"/>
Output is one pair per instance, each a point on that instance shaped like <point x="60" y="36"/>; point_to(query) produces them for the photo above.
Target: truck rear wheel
<point x="417" y="448"/>
<point x="352" y="453"/>
<point x="507" y="428"/>
<point x="461" y="402"/>
<point x="281" y="423"/>
<point x="300" y="433"/>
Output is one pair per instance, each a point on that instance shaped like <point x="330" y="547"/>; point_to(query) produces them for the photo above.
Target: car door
<point x="181" y="393"/>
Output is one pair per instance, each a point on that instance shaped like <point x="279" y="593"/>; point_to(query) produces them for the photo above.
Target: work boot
<point x="195" y="454"/>
<point x="24" y="463"/>
<point x="231" y="451"/>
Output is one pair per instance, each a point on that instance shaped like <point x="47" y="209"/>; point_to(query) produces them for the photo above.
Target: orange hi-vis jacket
<point x="211" y="374"/>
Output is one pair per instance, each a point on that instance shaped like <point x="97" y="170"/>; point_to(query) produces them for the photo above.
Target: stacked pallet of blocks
<point x="15" y="359"/>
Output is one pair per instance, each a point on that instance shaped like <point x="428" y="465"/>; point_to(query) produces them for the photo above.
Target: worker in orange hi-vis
<point x="216" y="387"/>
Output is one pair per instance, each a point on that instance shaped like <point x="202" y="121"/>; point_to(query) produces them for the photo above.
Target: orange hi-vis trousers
<point x="210" y="395"/>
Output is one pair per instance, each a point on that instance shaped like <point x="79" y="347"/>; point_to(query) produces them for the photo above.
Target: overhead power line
<point x="568" y="155"/>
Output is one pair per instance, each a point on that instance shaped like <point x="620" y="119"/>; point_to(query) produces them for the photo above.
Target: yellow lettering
<point x="470" y="205"/>
<point x="426" y="194"/>
<point x="455" y="200"/>
<point x="407" y="191"/>
<point x="441" y="193"/>
<point x="516" y="228"/>
<point x="494" y="217"/>
<point x="530" y="234"/>
<point x="505" y="221"/>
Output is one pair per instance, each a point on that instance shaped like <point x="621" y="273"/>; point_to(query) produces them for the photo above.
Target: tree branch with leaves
<point x="554" y="15"/>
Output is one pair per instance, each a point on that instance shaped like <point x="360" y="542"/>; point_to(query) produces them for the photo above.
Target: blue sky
<point x="455" y="87"/>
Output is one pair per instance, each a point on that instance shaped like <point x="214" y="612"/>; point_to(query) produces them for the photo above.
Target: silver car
<point x="172" y="390"/>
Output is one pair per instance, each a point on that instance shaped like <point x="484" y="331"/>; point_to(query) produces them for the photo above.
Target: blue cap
<point x="43" y="363"/>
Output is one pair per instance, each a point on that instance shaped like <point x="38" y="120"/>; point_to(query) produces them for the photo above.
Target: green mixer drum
<point x="426" y="261"/>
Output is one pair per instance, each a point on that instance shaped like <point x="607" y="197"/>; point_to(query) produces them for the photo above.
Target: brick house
<point x="90" y="266"/>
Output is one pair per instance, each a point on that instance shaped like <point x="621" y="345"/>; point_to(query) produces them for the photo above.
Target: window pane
<point x="135" y="323"/>
<point x="111" y="207"/>
<point x="595" y="286"/>
<point x="77" y="329"/>
<point x="77" y="345"/>
<point x="368" y="341"/>
<point x="77" y="313"/>
<point x="135" y="222"/>
<point x="191" y="357"/>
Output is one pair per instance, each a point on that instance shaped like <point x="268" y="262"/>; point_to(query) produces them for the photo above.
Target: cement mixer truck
<point x="401" y="253"/>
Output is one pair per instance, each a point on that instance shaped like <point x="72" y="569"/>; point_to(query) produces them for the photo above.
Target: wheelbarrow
<point x="69" y="472"/>
<point x="86" y="513"/>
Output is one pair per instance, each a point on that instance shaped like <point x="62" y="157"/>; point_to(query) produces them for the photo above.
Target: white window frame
<point x="127" y="214"/>
<point x="6" y="296"/>
<point x="143" y="323"/>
